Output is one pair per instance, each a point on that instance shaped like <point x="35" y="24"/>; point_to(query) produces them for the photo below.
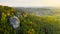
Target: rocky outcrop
<point x="14" y="21"/>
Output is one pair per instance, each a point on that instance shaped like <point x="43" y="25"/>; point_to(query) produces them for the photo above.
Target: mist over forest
<point x="43" y="11"/>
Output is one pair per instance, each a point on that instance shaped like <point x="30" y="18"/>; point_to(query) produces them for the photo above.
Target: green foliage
<point x="5" y="13"/>
<point x="29" y="24"/>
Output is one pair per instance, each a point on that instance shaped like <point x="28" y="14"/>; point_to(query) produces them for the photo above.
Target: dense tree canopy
<point x="29" y="24"/>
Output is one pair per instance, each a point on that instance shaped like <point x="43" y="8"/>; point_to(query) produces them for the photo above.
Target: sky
<point x="30" y="3"/>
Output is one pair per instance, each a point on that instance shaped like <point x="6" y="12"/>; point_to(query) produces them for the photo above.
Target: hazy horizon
<point x="30" y="3"/>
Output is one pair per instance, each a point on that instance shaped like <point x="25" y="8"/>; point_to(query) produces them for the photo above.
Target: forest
<point x="29" y="22"/>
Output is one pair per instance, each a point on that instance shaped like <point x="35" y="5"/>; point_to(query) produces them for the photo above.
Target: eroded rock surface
<point x="14" y="21"/>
